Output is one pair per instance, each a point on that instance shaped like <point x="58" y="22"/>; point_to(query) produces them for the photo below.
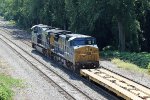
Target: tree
<point x="122" y="11"/>
<point x="123" y="24"/>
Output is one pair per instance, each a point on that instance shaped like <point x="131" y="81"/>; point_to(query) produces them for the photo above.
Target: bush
<point x="107" y="48"/>
<point x="149" y="67"/>
<point x="140" y="59"/>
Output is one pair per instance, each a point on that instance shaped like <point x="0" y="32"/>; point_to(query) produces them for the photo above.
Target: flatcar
<point x="74" y="51"/>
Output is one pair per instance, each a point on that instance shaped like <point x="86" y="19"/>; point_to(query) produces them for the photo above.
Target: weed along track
<point x="69" y="90"/>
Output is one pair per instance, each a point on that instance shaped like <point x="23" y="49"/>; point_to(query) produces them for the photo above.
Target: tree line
<point x="117" y="24"/>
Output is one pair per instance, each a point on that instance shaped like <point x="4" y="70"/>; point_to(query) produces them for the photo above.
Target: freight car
<point x="74" y="51"/>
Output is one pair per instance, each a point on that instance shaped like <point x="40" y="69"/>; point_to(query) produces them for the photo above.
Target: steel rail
<point x="100" y="66"/>
<point x="83" y="79"/>
<point x="86" y="95"/>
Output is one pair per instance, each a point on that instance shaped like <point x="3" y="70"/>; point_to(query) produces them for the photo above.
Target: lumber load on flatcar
<point x="123" y="87"/>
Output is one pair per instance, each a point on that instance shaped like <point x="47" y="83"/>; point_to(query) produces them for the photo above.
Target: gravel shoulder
<point x="34" y="87"/>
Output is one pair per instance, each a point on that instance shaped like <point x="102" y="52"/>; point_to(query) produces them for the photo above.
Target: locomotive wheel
<point x="33" y="45"/>
<point x="67" y="64"/>
<point x="73" y="67"/>
<point x="76" y="69"/>
<point x="44" y="52"/>
<point x="56" y="58"/>
<point x="52" y="57"/>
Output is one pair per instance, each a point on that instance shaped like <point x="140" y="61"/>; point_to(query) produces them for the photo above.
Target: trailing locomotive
<point x="74" y="51"/>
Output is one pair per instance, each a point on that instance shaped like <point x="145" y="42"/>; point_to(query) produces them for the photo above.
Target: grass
<point x="12" y="23"/>
<point x="128" y="66"/>
<point x="149" y="67"/>
<point x="6" y="84"/>
<point x="133" y="61"/>
<point x="1" y="17"/>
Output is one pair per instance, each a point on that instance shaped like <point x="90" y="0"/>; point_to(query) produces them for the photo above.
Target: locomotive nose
<point x="87" y="56"/>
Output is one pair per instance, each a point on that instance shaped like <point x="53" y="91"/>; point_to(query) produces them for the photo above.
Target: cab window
<point x="83" y="41"/>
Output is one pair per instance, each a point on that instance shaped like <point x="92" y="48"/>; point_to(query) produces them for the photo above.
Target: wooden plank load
<point x="123" y="87"/>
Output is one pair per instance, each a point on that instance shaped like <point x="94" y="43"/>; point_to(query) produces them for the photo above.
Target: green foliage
<point x="107" y="48"/>
<point x="5" y="92"/>
<point x="149" y="67"/>
<point x="12" y="23"/>
<point x="6" y="83"/>
<point x="140" y="59"/>
<point x="120" y="23"/>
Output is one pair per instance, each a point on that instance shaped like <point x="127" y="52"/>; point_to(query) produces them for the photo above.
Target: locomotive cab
<point x="86" y="52"/>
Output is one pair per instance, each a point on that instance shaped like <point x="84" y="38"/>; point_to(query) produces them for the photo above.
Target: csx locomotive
<point x="74" y="51"/>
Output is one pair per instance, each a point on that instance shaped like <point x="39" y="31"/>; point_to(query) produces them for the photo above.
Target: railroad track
<point x="69" y="90"/>
<point x="98" y="89"/>
<point x="8" y="32"/>
<point x="124" y="87"/>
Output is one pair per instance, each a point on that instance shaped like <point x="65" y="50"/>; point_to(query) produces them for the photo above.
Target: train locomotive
<point x="74" y="51"/>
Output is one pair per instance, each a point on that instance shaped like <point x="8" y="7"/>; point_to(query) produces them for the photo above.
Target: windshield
<point x="83" y="41"/>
